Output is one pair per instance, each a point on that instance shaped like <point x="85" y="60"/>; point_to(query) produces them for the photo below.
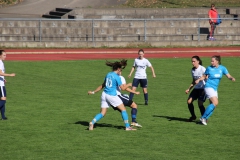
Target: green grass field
<point x="48" y="111"/>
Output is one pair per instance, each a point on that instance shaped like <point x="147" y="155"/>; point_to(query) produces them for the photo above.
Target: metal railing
<point x="131" y="30"/>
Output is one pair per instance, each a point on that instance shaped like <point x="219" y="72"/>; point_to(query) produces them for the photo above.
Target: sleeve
<point x="119" y="82"/>
<point x="203" y="70"/>
<point x="224" y="70"/>
<point x="207" y="71"/>
<point x="123" y="80"/>
<point x="148" y="63"/>
<point x="134" y="63"/>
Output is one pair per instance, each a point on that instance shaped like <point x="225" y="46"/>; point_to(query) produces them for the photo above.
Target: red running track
<point x="83" y="54"/>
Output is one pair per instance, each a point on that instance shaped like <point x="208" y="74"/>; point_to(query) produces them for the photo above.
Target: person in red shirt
<point x="213" y="15"/>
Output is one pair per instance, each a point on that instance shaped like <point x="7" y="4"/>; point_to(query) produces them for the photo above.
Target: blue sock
<point x="131" y="96"/>
<point x="125" y="118"/>
<point x="2" y="107"/>
<point x="134" y="114"/>
<point x="209" y="111"/>
<point x="97" y="118"/>
<point x="146" y="97"/>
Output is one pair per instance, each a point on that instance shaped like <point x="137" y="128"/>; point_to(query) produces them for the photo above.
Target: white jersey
<point x="3" y="70"/>
<point x="141" y="66"/>
<point x="123" y="82"/>
<point x="196" y="74"/>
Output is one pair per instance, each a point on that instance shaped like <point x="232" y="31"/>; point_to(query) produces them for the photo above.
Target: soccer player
<point x="3" y="93"/>
<point x="214" y="73"/>
<point x="109" y="95"/>
<point x="198" y="92"/>
<point x="141" y="65"/>
<point x="125" y="99"/>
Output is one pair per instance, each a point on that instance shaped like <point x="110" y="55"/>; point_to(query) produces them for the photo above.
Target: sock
<point x="191" y="109"/>
<point x="97" y="118"/>
<point x="146" y="97"/>
<point x="202" y="109"/>
<point x="134" y="114"/>
<point x="2" y="107"/>
<point x="131" y="96"/>
<point x="125" y="118"/>
<point x="209" y="111"/>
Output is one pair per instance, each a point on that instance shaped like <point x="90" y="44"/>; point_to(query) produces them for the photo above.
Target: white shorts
<point x="108" y="100"/>
<point x="210" y="92"/>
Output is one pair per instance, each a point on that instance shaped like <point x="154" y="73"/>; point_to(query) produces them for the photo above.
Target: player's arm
<point x="190" y="87"/>
<point x="6" y="75"/>
<point x="97" y="89"/>
<point x="132" y="91"/>
<point x="201" y="78"/>
<point x="130" y="74"/>
<point x="153" y="72"/>
<point x="230" y="77"/>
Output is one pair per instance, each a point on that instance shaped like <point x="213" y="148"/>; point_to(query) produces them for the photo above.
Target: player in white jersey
<point x="214" y="74"/>
<point x="141" y="65"/>
<point x="198" y="92"/>
<point x="109" y="95"/>
<point x="3" y="93"/>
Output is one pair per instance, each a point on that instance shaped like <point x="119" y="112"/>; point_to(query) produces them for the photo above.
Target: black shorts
<point x="126" y="101"/>
<point x="198" y="94"/>
<point x="143" y="82"/>
<point x="3" y="92"/>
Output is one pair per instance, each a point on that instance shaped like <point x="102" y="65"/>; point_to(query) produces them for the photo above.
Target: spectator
<point x="213" y="15"/>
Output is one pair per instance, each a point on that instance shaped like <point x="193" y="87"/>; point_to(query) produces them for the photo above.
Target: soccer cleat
<point x="213" y="39"/>
<point x="204" y="121"/>
<point x="90" y="126"/>
<point x="192" y="119"/>
<point x="4" y="118"/>
<point x="146" y="102"/>
<point x="130" y="129"/>
<point x="210" y="38"/>
<point x="136" y="124"/>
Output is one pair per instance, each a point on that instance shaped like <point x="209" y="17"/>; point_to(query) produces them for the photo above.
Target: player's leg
<point x="213" y="96"/>
<point x="143" y="83"/>
<point x="134" y="87"/>
<point x="3" y="96"/>
<point x="103" y="111"/>
<point x="201" y="100"/>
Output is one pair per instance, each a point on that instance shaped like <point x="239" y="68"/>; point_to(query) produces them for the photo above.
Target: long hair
<point x="217" y="58"/>
<point x="117" y="64"/>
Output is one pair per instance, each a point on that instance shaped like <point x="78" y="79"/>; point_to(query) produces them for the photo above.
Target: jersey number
<point x="108" y="82"/>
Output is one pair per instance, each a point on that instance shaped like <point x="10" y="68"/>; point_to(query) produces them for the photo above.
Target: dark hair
<point x="198" y="59"/>
<point x="115" y="65"/>
<point x="217" y="58"/>
<point x="1" y="51"/>
<point x="212" y="5"/>
<point x="140" y="50"/>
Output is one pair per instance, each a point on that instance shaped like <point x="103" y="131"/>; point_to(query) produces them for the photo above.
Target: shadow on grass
<point x="173" y="118"/>
<point x="84" y="123"/>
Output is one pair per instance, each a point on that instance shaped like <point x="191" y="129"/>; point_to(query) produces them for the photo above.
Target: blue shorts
<point x="3" y="92"/>
<point x="143" y="82"/>
<point x="198" y="94"/>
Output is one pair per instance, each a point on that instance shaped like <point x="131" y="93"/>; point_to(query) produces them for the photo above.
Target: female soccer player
<point x="109" y="95"/>
<point x="198" y="92"/>
<point x="125" y="99"/>
<point x="3" y="93"/>
<point x="141" y="65"/>
<point x="214" y="73"/>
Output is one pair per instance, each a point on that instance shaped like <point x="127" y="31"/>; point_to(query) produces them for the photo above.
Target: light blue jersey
<point x="214" y="76"/>
<point x="112" y="82"/>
